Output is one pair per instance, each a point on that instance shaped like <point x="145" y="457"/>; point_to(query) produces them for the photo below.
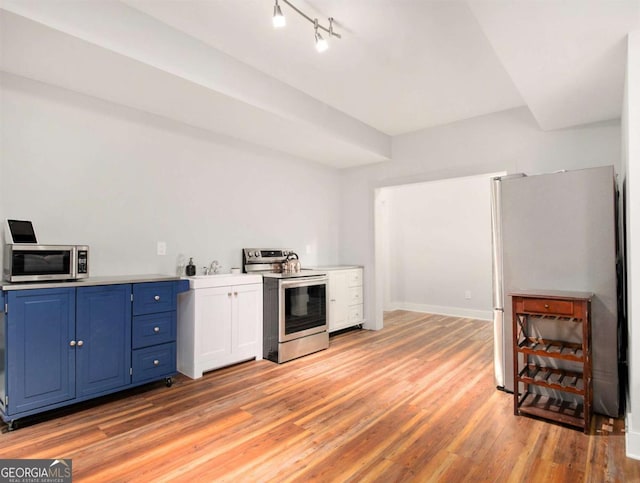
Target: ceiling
<point x="400" y="66"/>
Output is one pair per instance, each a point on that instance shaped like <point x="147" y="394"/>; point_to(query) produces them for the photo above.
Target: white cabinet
<point x="345" y="298"/>
<point x="219" y="323"/>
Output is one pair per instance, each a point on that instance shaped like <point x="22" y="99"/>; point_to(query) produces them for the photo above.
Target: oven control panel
<point x="264" y="255"/>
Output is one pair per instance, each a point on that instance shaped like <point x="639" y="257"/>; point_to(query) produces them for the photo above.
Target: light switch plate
<point x="162" y="248"/>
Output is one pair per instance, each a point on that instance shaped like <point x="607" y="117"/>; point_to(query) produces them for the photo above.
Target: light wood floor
<point x="413" y="402"/>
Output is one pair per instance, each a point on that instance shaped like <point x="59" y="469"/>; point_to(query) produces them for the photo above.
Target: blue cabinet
<point x="154" y="331"/>
<point x="40" y="360"/>
<point x="103" y="333"/>
<point x="66" y="345"/>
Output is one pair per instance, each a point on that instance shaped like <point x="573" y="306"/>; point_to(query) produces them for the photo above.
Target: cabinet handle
<point x="80" y="343"/>
<point x="229" y="294"/>
<point x="332" y="300"/>
<point x="156" y="298"/>
<point x="235" y="293"/>
<point x="72" y="343"/>
<point x="156" y="329"/>
<point x="156" y="362"/>
<point x="546" y="306"/>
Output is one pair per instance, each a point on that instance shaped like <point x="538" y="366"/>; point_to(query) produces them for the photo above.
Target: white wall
<point x="92" y="172"/>
<point x="631" y="168"/>
<point x="507" y="141"/>
<point x="440" y="247"/>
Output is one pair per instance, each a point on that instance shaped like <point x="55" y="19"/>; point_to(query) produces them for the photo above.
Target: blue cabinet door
<point x="103" y="331"/>
<point x="40" y="355"/>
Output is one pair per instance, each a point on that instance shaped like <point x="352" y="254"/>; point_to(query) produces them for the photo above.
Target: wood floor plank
<point x="413" y="402"/>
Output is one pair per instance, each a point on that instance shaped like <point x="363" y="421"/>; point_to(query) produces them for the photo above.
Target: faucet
<point x="213" y="268"/>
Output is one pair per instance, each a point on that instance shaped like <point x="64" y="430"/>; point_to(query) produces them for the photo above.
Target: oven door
<point x="303" y="307"/>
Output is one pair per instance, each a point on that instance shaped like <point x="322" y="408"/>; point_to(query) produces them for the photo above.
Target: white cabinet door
<point x="338" y="300"/>
<point x="219" y="326"/>
<point x="247" y="322"/>
<point x="214" y="334"/>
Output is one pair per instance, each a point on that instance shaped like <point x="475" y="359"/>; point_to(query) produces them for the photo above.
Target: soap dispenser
<point x="191" y="268"/>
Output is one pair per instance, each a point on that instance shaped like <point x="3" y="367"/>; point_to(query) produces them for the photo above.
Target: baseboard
<point x="442" y="310"/>
<point x="632" y="440"/>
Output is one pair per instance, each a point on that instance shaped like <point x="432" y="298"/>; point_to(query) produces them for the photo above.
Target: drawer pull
<point x="156" y="298"/>
<point x="156" y="329"/>
<point x="546" y="306"/>
<point x="156" y="362"/>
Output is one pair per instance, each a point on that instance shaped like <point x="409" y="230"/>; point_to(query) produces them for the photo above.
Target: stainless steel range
<point x="295" y="305"/>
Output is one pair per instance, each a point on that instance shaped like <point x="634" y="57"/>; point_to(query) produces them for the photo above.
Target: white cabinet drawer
<point x="355" y="278"/>
<point x="355" y="314"/>
<point x="355" y="295"/>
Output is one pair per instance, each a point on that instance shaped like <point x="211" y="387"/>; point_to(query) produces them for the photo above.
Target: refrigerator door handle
<point x="498" y="347"/>
<point x="496" y="244"/>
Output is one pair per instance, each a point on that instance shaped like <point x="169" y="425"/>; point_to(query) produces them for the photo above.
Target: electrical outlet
<point x="162" y="248"/>
<point x="467" y="294"/>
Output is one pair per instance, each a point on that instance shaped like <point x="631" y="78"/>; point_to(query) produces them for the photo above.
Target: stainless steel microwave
<point x="27" y="262"/>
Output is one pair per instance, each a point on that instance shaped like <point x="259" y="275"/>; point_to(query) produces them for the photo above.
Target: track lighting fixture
<point x="321" y="43"/>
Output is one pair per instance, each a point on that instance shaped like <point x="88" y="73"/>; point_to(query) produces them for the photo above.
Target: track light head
<point x="321" y="43"/>
<point x="279" y="20"/>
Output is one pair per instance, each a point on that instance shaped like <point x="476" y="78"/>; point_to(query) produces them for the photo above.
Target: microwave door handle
<point x="74" y="263"/>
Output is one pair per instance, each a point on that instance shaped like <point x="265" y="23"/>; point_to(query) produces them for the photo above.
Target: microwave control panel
<point x="83" y="261"/>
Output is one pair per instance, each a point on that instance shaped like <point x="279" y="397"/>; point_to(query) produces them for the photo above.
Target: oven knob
<point x="253" y="254"/>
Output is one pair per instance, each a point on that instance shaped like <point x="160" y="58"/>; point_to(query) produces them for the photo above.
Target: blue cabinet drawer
<point x="153" y="329"/>
<point x="154" y="362"/>
<point x="154" y="297"/>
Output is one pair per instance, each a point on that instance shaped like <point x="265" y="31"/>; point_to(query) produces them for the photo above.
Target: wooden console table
<point x="539" y="360"/>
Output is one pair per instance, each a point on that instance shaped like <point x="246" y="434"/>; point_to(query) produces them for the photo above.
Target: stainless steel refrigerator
<point x="558" y="231"/>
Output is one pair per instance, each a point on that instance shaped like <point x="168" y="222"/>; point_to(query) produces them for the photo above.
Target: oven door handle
<point x="303" y="281"/>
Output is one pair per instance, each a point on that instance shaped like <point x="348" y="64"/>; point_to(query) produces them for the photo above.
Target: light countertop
<point x="336" y="267"/>
<point x="87" y="282"/>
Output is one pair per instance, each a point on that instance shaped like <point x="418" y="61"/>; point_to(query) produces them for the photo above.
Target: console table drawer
<point x="548" y="306"/>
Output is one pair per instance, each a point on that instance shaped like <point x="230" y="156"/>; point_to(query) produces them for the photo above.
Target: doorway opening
<point x="433" y="247"/>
